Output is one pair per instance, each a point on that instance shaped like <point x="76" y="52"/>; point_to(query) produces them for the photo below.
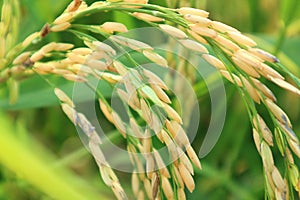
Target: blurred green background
<point x="42" y="156"/>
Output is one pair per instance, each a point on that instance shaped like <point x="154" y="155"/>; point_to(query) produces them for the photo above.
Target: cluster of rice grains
<point x="239" y="61"/>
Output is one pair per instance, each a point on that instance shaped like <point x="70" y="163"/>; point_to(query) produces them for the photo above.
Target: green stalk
<point x="33" y="167"/>
<point x="291" y="11"/>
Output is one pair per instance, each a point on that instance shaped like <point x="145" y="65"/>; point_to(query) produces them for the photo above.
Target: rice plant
<point x="142" y="64"/>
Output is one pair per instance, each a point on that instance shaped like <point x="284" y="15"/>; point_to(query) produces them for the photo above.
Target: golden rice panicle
<point x="241" y="39"/>
<point x="147" y="17"/>
<point x="213" y="61"/>
<point x="186" y="177"/>
<point x="167" y="188"/>
<point x="112" y="27"/>
<point x="285" y="85"/>
<point x="135" y="183"/>
<point x="197" y="37"/>
<point x="223" y="28"/>
<point x="193" y="11"/>
<point x="194" y="46"/>
<point x="172" y="31"/>
<point x="202" y="21"/>
<point x="226" y="43"/>
<point x="264" y="89"/>
<point x="193" y="156"/>
<point x="245" y="67"/>
<point x="65" y="17"/>
<point x="268" y="72"/>
<point x="63" y="97"/>
<point x="266" y="56"/>
<point x="251" y="90"/>
<point x="260" y="125"/>
<point x="267" y="157"/>
<point x="257" y="139"/>
<point x="155" y="58"/>
<point x="278" y="113"/>
<point x="231" y="77"/>
<point x="203" y="31"/>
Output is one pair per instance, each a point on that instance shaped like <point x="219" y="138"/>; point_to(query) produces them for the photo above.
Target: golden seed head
<point x="257" y="139"/>
<point x="267" y="156"/>
<point x="177" y="177"/>
<point x="213" y="61"/>
<point x="203" y="31"/>
<point x="193" y="156"/>
<point x="148" y="17"/>
<point x="186" y="177"/>
<point x="96" y="64"/>
<point x="264" y="89"/>
<point x="76" y="58"/>
<point x="38" y="55"/>
<point x="194" y="46"/>
<point x="101" y="46"/>
<point x="118" y="191"/>
<point x="278" y="180"/>
<point x="285" y="85"/>
<point x="193" y="11"/>
<point x="111" y="78"/>
<point x="266" y="133"/>
<point x="197" y="37"/>
<point x="106" y="111"/>
<point x="278" y="113"/>
<point x="49" y="47"/>
<point x="150" y="166"/>
<point x="120" y="68"/>
<point x="21" y="58"/>
<point x="247" y="58"/>
<point x="82" y="51"/>
<point x="245" y="67"/>
<point x="97" y="153"/>
<point x="241" y="39"/>
<point x="160" y="93"/>
<point x="160" y="164"/>
<point x="263" y="55"/>
<point x="201" y="21"/>
<point x="167" y="188"/>
<point x="148" y="188"/>
<point x="227" y="43"/>
<point x="251" y="90"/>
<point x="63" y="47"/>
<point x="70" y="112"/>
<point x="119" y="123"/>
<point x="175" y="32"/>
<point x="294" y="146"/>
<point x="289" y="132"/>
<point x="178" y="133"/>
<point x="30" y="39"/>
<point x="60" y="27"/>
<point x="185" y="160"/>
<point x="75" y="78"/>
<point x="131" y="43"/>
<point x="135" y="183"/>
<point x="74" y="5"/>
<point x="268" y="72"/>
<point x="172" y="113"/>
<point x="181" y="194"/>
<point x="156" y="58"/>
<point x="65" y="17"/>
<point x="234" y="79"/>
<point x="223" y="28"/>
<point x="63" y="97"/>
<point x="111" y="27"/>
